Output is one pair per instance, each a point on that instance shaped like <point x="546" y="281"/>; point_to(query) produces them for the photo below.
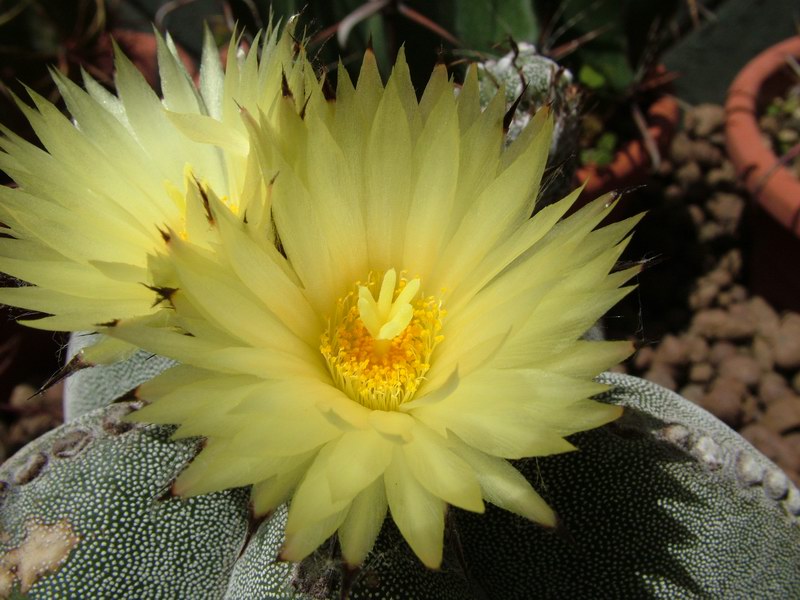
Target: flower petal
<point x="504" y="486"/>
<point x="419" y="515"/>
<point x="441" y="472"/>
<point x="360" y="529"/>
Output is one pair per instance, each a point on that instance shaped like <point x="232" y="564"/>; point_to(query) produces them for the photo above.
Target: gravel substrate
<point x="709" y="339"/>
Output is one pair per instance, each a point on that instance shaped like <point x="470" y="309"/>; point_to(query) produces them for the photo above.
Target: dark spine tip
<point x="164" y="235"/>
<point x="111" y="323"/>
<point x="303" y="110"/>
<point x="297" y="46"/>
<point x="328" y="92"/>
<point x="206" y="203"/>
<point x="163" y="292"/>
<point x="73" y="366"/>
<point x="285" y="89"/>
<point x="509" y="116"/>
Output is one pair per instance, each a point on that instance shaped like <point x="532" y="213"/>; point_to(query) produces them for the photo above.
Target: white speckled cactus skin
<point x="666" y="503"/>
<point x="94" y="388"/>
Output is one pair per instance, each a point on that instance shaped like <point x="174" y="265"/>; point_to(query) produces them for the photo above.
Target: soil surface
<point x="698" y="329"/>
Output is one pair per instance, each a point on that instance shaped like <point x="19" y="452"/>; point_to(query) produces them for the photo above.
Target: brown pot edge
<point x="663" y="116"/>
<point x="774" y="187"/>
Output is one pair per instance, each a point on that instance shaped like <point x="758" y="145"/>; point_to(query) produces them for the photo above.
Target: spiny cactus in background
<point x="535" y="81"/>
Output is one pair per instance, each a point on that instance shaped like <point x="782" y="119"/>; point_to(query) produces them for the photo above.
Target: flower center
<point x="378" y="350"/>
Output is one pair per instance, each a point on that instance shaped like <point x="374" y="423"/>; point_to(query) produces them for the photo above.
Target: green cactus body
<point x="87" y="513"/>
<point x="667" y="502"/>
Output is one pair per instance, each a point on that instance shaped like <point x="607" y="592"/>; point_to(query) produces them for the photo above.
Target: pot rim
<point x="773" y="186"/>
<point x="632" y="158"/>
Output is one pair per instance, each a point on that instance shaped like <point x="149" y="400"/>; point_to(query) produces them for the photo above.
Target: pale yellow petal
<point x="178" y="90"/>
<point x="357" y="460"/>
<point x="436" y="170"/>
<point x="360" y="529"/>
<point x="267" y="495"/>
<point x="419" y="515"/>
<point x="388" y="162"/>
<point x="313" y="502"/>
<point x="216" y="468"/>
<point x="504" y="486"/>
<point x="302" y="542"/>
<point x="441" y="472"/>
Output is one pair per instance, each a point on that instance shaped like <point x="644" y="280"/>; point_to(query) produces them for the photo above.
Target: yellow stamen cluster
<point x="374" y="369"/>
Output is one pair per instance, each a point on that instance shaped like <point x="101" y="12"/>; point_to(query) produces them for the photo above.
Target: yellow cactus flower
<point x="86" y="217"/>
<point x="412" y="330"/>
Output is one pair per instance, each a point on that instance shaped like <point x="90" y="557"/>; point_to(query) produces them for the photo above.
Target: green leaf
<point x="481" y="24"/>
<point x="591" y="78"/>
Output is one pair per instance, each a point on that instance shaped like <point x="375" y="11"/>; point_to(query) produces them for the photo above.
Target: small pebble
<point x="643" y="358"/>
<point x="672" y="351"/>
<point x="726" y="209"/>
<point x="680" y="149"/>
<point x="783" y="415"/>
<point x="762" y="353"/>
<point x="724" y="400"/>
<point x="720" y="351"/>
<point x="704" y="119"/>
<point x="741" y="324"/>
<point x="772" y="387"/>
<point x="750" y="410"/>
<point x="701" y="372"/>
<point x="786" y="343"/>
<point x="738" y="293"/>
<point x="697" y="348"/>
<point x="695" y="212"/>
<point x="721" y="277"/>
<point x="704" y="295"/>
<point x="705" y="153"/>
<point x="710" y="231"/>
<point x="723" y="175"/>
<point x="710" y="323"/>
<point x="769" y="443"/>
<point x="732" y="262"/>
<point x="689" y="174"/>
<point x="662" y="376"/>
<point x="766" y="318"/>
<point x="693" y="392"/>
<point x="741" y="367"/>
<point x="673" y="192"/>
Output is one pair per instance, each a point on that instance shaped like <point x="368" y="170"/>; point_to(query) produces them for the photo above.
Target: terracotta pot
<point x="775" y="216"/>
<point x="631" y="162"/>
